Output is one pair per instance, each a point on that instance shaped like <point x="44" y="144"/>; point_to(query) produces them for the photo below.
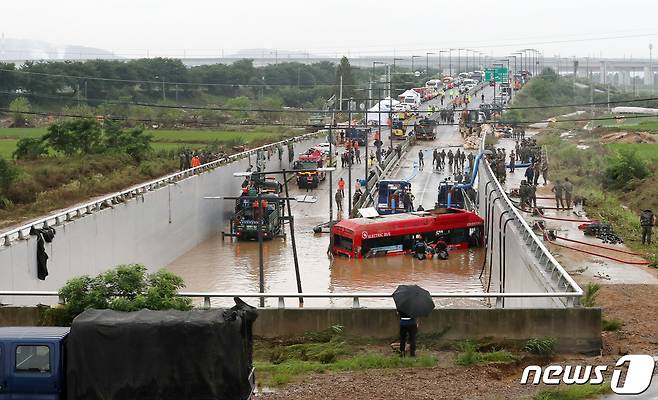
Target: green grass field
<point x="7" y="147"/>
<point x="207" y="136"/>
<point x="19" y="133"/>
<point x="647" y="151"/>
<point x="648" y="124"/>
<point x="162" y="139"/>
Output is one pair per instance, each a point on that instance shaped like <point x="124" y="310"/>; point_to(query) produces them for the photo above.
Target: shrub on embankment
<point x="616" y="185"/>
<point x="78" y="159"/>
<point x="123" y="288"/>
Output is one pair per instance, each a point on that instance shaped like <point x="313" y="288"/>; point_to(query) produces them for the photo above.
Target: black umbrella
<point x="413" y="300"/>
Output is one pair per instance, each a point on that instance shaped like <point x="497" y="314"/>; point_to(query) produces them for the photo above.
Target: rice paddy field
<point x="648" y="152"/>
<point x="162" y="139"/>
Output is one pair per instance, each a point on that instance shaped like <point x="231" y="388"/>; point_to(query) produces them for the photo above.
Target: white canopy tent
<point x="383" y="106"/>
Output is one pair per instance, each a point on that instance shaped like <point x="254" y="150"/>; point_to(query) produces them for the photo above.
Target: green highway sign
<point x="500" y="75"/>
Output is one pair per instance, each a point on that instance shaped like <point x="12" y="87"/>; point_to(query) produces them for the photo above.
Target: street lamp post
<point x="440" y="66"/>
<point x="371" y="81"/>
<point x="494" y="90"/>
<point x="427" y="63"/>
<point x="412" y="63"/>
<point x="459" y="60"/>
<point x="164" y="95"/>
<point x="450" y="60"/>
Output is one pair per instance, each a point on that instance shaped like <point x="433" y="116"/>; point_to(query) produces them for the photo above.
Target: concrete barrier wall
<point x="519" y="266"/>
<point x="575" y="329"/>
<point x="152" y="229"/>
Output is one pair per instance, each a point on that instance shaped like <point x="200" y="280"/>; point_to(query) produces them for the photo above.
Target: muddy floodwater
<point x="232" y="266"/>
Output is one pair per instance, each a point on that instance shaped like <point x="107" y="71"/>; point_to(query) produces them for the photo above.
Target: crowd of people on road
<point x="351" y="155"/>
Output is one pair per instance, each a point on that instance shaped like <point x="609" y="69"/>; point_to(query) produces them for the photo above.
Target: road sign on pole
<point x="500" y="75"/>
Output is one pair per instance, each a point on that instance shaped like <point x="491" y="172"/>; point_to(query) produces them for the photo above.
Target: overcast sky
<point x="366" y="27"/>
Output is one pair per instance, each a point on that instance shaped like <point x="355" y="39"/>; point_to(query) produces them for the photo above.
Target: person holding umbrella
<point x="412" y="302"/>
<point x="408" y="328"/>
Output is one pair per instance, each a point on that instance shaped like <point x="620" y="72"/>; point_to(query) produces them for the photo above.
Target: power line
<point x="161" y="82"/>
<point x="293" y="125"/>
<point x="265" y="110"/>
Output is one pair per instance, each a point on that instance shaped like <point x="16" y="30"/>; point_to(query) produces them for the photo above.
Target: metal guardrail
<point x="546" y="260"/>
<point x="110" y="200"/>
<point x="355" y="296"/>
<point x="371" y="185"/>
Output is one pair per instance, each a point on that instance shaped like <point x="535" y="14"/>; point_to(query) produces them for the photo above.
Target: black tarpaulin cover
<point x="195" y="355"/>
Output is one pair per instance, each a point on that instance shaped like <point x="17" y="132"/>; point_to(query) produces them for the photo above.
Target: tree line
<point x="141" y="80"/>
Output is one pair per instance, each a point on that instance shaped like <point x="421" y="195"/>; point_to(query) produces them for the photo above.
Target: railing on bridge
<point x="116" y="198"/>
<point x="355" y="296"/>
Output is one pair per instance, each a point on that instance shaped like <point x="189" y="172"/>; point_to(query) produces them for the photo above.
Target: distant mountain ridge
<point x="25" y="49"/>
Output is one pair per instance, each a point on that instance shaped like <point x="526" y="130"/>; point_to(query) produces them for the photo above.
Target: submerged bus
<point x="395" y="234"/>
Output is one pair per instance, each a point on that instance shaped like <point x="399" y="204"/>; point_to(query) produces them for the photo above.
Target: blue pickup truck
<point x="111" y="355"/>
<point x="32" y="363"/>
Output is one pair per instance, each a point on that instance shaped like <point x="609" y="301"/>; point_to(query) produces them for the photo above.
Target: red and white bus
<point x="395" y="234"/>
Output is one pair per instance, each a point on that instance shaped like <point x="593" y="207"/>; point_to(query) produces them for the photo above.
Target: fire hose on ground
<point x="547" y="238"/>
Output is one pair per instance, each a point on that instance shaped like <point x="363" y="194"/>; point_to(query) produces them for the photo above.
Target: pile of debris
<point x="472" y="142"/>
<point x="603" y="231"/>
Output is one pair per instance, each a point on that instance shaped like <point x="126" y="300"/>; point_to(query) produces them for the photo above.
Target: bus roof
<point x="410" y="223"/>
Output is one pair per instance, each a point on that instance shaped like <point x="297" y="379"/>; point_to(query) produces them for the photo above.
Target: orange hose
<point x="599" y="246"/>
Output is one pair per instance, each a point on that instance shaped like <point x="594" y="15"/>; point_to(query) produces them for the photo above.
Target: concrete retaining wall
<point x="576" y="329"/>
<point x="152" y="229"/>
<point x="518" y="269"/>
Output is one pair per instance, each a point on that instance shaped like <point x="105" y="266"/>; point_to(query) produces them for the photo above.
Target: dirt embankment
<point x="635" y="305"/>
<point x="629" y="137"/>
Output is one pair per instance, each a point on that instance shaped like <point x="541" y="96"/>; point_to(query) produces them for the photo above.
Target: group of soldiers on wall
<point x="188" y="158"/>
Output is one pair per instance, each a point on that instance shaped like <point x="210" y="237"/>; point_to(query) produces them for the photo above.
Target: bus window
<point x="458" y="236"/>
<point x="342" y="242"/>
<point x="386" y="244"/>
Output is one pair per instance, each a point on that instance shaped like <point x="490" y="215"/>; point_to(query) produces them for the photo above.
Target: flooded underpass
<point x="231" y="266"/>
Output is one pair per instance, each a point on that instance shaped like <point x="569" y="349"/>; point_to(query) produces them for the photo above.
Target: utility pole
<point x="331" y="176"/>
<point x="261" y="272"/>
<point x="292" y="236"/>
<point x="340" y="93"/>
<point x="651" y="77"/>
<point x="349" y="164"/>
